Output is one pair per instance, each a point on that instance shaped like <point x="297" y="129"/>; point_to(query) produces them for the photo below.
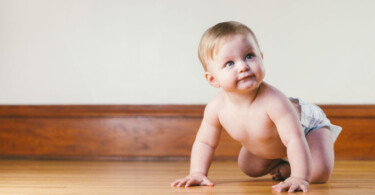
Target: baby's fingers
<point x="290" y="187"/>
<point x="179" y="182"/>
<point x="304" y="188"/>
<point x="293" y="187"/>
<point x="175" y="182"/>
<point x="297" y="187"/>
<point x="207" y="182"/>
<point x="190" y="182"/>
<point x="282" y="186"/>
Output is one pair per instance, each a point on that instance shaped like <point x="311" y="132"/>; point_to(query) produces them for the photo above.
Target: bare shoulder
<point x="273" y="99"/>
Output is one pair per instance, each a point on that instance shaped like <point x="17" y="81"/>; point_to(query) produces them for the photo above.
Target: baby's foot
<point x="281" y="171"/>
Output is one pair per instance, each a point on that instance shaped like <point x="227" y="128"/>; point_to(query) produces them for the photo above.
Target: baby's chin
<point x="247" y="85"/>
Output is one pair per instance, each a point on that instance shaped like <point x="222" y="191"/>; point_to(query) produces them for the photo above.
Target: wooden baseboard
<point x="146" y="132"/>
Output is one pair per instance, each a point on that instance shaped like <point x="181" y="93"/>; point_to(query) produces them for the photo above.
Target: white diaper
<point x="313" y="117"/>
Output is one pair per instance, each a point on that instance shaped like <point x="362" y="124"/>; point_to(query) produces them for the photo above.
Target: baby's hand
<point x="192" y="180"/>
<point x="293" y="184"/>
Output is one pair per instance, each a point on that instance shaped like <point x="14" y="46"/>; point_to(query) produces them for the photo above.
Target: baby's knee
<point x="321" y="175"/>
<point x="250" y="170"/>
<point x="321" y="179"/>
<point x="253" y="172"/>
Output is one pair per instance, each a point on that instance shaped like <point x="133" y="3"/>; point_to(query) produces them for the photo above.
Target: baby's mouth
<point x="250" y="76"/>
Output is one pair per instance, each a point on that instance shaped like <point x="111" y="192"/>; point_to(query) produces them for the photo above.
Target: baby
<point x="285" y="137"/>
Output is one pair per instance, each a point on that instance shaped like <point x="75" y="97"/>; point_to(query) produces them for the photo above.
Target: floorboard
<point x="150" y="177"/>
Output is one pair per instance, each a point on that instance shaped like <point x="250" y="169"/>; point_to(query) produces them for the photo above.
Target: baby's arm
<point x="285" y="117"/>
<point x="203" y="150"/>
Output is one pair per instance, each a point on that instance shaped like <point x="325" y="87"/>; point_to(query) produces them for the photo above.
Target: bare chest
<point x="248" y="126"/>
<point x="255" y="131"/>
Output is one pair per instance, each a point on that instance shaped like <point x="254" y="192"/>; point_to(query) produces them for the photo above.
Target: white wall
<point x="145" y="51"/>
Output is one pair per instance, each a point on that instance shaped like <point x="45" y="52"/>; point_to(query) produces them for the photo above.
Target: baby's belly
<point x="271" y="150"/>
<point x="267" y="145"/>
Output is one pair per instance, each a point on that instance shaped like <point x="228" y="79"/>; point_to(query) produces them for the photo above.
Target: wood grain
<point x="145" y="131"/>
<point x="154" y="177"/>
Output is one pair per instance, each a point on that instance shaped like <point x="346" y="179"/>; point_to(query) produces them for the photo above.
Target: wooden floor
<point x="141" y="177"/>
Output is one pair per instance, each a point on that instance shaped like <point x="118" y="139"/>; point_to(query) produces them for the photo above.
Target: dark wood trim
<point x="342" y="111"/>
<point x="123" y="132"/>
<point x="349" y="111"/>
<point x="100" y="110"/>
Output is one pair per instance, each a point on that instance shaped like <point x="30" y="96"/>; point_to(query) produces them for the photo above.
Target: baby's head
<point x="214" y="36"/>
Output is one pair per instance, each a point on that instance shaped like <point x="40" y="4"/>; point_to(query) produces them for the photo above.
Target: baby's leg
<point x="320" y="142"/>
<point x="255" y="166"/>
<point x="322" y="154"/>
<point x="281" y="171"/>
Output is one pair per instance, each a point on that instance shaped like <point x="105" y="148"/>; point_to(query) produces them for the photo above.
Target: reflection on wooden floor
<point x="140" y="177"/>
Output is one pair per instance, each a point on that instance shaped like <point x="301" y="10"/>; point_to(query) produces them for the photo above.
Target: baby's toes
<point x="276" y="177"/>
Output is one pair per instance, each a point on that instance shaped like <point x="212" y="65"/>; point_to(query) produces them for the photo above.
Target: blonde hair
<point x="213" y="37"/>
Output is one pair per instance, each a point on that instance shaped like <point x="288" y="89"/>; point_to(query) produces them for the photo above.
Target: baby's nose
<point x="243" y="66"/>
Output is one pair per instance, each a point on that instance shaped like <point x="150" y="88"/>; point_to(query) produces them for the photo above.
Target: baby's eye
<point x="228" y="64"/>
<point x="249" y="56"/>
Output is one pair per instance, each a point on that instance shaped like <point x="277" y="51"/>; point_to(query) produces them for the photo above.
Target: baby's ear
<point x="211" y="80"/>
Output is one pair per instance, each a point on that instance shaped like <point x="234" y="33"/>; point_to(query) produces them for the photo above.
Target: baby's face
<point x="237" y="64"/>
